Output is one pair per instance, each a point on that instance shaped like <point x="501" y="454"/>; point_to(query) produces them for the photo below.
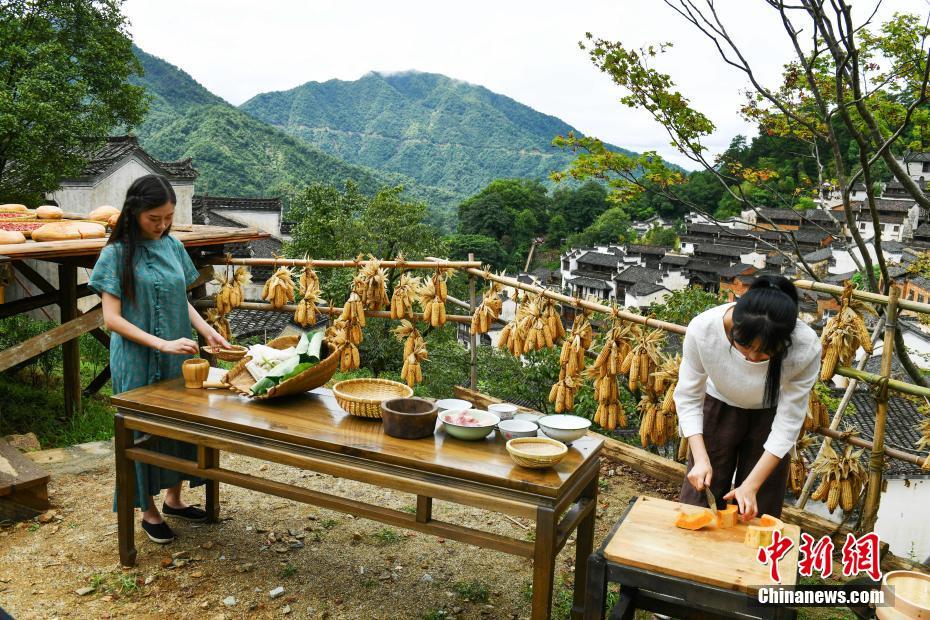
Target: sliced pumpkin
<point x="727" y="517"/>
<point x="695" y="520"/>
<point x="760" y="532"/>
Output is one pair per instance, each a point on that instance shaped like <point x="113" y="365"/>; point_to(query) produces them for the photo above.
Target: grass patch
<point x="410" y="509"/>
<point x="387" y="536"/>
<point x="474" y="591"/>
<point x="434" y="614"/>
<point x="329" y="524"/>
<point x="123" y="584"/>
<point x="288" y="571"/>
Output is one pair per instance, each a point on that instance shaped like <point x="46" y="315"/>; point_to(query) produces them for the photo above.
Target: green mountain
<point x="436" y="130"/>
<point x="239" y="155"/>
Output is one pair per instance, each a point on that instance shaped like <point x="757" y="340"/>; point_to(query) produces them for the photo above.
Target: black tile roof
<point x="774" y="214"/>
<point x="917" y="157"/>
<point x="603" y="260"/>
<point x="675" y="259"/>
<point x="637" y="274"/>
<point x="227" y="202"/>
<point x="819" y="255"/>
<point x="647" y="249"/>
<point x="737" y="270"/>
<point x="645" y="288"/>
<point x="719" y="250"/>
<point x="119" y="147"/>
<point x="266" y="247"/>
<point x="248" y="323"/>
<point x="589" y="283"/>
<point x="901" y="428"/>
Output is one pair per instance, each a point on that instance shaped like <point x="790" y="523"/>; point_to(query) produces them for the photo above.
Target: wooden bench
<point x="681" y="573"/>
<point x="23" y="485"/>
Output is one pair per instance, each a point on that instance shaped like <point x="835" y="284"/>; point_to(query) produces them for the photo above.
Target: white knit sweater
<point x="711" y="365"/>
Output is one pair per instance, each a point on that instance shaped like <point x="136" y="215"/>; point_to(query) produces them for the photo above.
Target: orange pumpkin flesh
<point x="694" y="520"/>
<point x="727" y="517"/>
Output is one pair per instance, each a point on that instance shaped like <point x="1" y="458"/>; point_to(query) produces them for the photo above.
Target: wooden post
<point x="71" y="352"/>
<point x="472" y="338"/>
<point x="877" y="460"/>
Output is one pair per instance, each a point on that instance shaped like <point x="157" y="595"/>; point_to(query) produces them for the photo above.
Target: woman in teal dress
<point x="142" y="276"/>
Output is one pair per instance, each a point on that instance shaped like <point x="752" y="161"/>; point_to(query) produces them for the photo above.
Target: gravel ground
<point x="330" y="565"/>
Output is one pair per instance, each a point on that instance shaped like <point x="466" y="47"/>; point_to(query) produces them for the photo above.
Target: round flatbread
<point x="10" y="237"/>
<point x="49" y="212"/>
<point x="102" y="213"/>
<point x="57" y="231"/>
<point x="12" y="208"/>
<point x="91" y="230"/>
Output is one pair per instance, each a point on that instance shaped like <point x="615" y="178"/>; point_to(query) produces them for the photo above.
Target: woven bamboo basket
<point x="239" y="380"/>
<point x="536" y="452"/>
<point x="363" y="397"/>
<point x="233" y="354"/>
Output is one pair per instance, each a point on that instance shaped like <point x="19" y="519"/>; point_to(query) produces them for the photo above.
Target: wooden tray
<point x="648" y="539"/>
<point x="239" y="380"/>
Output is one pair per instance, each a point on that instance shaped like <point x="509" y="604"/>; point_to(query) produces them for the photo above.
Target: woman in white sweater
<point x="746" y="373"/>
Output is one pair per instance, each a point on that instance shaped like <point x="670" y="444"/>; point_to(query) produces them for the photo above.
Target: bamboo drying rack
<point x="474" y="270"/>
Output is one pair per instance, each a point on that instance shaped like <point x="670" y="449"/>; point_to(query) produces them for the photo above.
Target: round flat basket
<point x="233" y="354"/>
<point x="536" y="452"/>
<point x="363" y="397"/>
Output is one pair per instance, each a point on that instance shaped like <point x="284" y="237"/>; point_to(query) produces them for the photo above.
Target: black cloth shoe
<point x="191" y="513"/>
<point x="158" y="532"/>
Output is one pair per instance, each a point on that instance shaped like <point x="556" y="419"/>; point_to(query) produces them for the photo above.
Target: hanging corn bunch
<point x="414" y="352"/>
<point x="571" y="363"/>
<point x="563" y="393"/>
<point x="279" y="289"/>
<point x="642" y="358"/>
<point x="431" y="293"/>
<point x="353" y="311"/>
<point x="511" y="337"/>
<point x="843" y="334"/>
<point x="218" y="320"/>
<point x="309" y="294"/>
<point x="337" y="336"/>
<point x="403" y="297"/>
<point x="797" y="470"/>
<point x="489" y="310"/>
<point x="370" y="283"/>
<point x="651" y="422"/>
<point x="842" y="478"/>
<point x="818" y="414"/>
<point x="604" y="371"/>
<point x="552" y="318"/>
<point x="664" y="382"/>
<point x="924" y="441"/>
<point x="231" y="282"/>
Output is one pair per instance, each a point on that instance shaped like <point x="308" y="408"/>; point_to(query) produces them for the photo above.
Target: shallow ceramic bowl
<point x="470" y="433"/>
<point x="453" y="404"/>
<point x="511" y="429"/>
<point x="564" y="428"/>
<point x="529" y="417"/>
<point x="505" y="411"/>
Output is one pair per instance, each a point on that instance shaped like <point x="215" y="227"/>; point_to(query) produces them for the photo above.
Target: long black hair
<point x="148" y="192"/>
<point x="766" y="315"/>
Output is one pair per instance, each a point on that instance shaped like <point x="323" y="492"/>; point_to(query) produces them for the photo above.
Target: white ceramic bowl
<point x="565" y="428"/>
<point x="529" y="417"/>
<point x="504" y="411"/>
<point x="470" y="433"/>
<point x="512" y="429"/>
<point x="453" y="404"/>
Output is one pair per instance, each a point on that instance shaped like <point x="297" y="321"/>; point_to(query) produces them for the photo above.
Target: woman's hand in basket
<point x="217" y="342"/>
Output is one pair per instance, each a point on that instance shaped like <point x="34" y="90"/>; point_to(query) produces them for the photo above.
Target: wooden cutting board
<point x="648" y="539"/>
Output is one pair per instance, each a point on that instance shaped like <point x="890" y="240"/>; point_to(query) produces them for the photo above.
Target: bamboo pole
<point x="578" y="303"/>
<point x="378" y="314"/>
<point x="837" y="418"/>
<point x="472" y="338"/>
<point x="387" y="264"/>
<point x="877" y="460"/>
<point x="904" y="304"/>
<point x="859" y="442"/>
<point x="873" y="379"/>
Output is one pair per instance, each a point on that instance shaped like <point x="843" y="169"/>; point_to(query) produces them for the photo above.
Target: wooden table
<point x="310" y="431"/>
<point x="708" y="573"/>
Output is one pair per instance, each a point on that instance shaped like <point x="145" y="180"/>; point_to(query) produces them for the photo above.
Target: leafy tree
<point x="660" y="235"/>
<point x="63" y="69"/>
<point x="682" y="306"/>
<point x="485" y="249"/>
<point x="558" y="231"/>
<point x="580" y="206"/>
<point x="611" y="226"/>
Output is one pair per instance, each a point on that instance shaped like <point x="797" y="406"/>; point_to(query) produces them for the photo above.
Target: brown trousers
<point x="734" y="439"/>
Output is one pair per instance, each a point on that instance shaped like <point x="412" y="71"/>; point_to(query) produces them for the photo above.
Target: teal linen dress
<point x="163" y="271"/>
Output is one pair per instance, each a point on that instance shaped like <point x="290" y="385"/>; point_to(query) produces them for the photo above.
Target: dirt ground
<point x="330" y="565"/>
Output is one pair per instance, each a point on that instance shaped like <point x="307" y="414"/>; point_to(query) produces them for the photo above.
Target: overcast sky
<point x="525" y="50"/>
